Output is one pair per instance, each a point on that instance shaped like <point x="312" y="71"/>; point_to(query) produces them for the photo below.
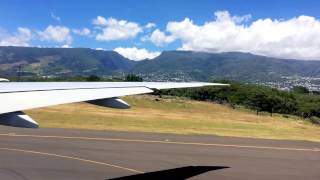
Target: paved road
<point x="27" y="154"/>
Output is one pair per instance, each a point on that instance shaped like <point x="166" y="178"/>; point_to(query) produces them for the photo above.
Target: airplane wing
<point x="18" y="96"/>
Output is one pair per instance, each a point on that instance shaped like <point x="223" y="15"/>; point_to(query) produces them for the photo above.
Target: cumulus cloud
<point x="59" y="34"/>
<point x="223" y="16"/>
<point x="159" y="38"/>
<point x="136" y="54"/>
<point x="298" y="37"/>
<point x="82" y="32"/>
<point x="21" y="38"/>
<point x="66" y="46"/>
<point x="113" y="29"/>
<point x="100" y="21"/>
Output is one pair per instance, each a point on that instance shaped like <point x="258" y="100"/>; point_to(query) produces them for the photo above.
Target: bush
<point x="300" y="90"/>
<point x="315" y="119"/>
<point x="93" y="78"/>
<point x="133" y="78"/>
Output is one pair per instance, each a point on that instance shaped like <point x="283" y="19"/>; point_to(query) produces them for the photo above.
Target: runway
<point x="31" y="154"/>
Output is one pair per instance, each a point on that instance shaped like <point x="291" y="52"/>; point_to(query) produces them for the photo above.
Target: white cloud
<point x="21" y="38"/>
<point x="100" y="49"/>
<point x="82" y="32"/>
<point x="298" y="37"/>
<point x="66" y="46"/>
<point x="137" y="54"/>
<point x="159" y="38"/>
<point x="56" y="33"/>
<point x="100" y="21"/>
<point x="223" y="16"/>
<point x="56" y="18"/>
<point x="113" y="29"/>
<point x="150" y="25"/>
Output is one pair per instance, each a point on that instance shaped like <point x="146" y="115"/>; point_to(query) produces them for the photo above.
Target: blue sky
<point x="42" y="23"/>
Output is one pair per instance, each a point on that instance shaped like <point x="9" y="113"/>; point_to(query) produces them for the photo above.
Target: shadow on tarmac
<point x="176" y="174"/>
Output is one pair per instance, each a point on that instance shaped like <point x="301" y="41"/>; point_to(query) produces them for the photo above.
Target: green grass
<point x="179" y="116"/>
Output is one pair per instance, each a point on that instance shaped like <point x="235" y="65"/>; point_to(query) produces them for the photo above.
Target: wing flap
<point x="18" y="119"/>
<point x="116" y="103"/>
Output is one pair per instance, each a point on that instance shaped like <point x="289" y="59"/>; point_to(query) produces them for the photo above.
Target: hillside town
<point x="288" y="82"/>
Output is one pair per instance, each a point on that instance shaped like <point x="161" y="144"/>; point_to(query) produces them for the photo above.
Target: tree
<point x="133" y="78"/>
<point x="259" y="101"/>
<point x="300" y="90"/>
<point x="255" y="97"/>
<point x="93" y="78"/>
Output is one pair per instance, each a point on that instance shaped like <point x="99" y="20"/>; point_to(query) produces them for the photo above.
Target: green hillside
<point x="61" y="61"/>
<point x="232" y="66"/>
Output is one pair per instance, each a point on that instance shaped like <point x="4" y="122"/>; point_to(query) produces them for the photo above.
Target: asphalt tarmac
<point x="37" y="154"/>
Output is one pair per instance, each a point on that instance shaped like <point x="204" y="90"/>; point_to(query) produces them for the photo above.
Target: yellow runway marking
<point x="70" y="157"/>
<point x="165" y="142"/>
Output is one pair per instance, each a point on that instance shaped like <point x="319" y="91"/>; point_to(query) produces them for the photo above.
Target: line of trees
<point x="258" y="98"/>
<point x="79" y="78"/>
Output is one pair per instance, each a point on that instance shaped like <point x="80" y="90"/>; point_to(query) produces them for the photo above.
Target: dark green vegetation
<point x="77" y="78"/>
<point x="133" y="78"/>
<point x="257" y="98"/>
<point x="169" y="66"/>
<point x="90" y="78"/>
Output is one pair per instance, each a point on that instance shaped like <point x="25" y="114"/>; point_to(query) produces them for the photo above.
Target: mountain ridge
<point x="168" y="66"/>
<point x="227" y="65"/>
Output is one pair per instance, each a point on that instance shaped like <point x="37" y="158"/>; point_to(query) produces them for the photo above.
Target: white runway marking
<point x="70" y="157"/>
<point x="164" y="142"/>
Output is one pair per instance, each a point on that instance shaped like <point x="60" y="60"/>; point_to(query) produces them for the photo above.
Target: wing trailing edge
<point x="16" y="97"/>
<point x="17" y="101"/>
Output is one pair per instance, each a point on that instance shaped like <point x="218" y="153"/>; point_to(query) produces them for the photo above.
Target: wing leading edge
<point x="16" y="97"/>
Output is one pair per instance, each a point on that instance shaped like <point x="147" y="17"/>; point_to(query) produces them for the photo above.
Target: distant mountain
<point x="61" y="61"/>
<point x="169" y="66"/>
<point x="189" y="65"/>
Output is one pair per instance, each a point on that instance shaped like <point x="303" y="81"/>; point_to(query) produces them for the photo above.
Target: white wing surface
<point x="19" y="96"/>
